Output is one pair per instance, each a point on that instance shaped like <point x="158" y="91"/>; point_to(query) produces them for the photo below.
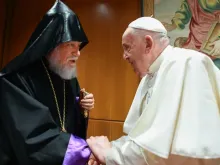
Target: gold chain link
<point x="62" y="123"/>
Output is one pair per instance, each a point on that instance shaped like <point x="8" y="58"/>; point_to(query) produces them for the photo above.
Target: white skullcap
<point x="148" y="23"/>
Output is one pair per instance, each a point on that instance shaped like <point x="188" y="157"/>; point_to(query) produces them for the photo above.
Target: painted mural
<point x="192" y="24"/>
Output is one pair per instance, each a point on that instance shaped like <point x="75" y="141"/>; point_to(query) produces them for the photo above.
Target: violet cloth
<point x="77" y="152"/>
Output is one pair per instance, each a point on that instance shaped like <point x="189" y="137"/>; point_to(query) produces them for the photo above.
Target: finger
<point x="87" y="101"/>
<point x="90" y="143"/>
<point x="89" y="96"/>
<point x="87" y="104"/>
<point x="83" y="89"/>
<point x="98" y="137"/>
<point x="90" y="162"/>
<point x="106" y="138"/>
<point x="92" y="138"/>
<point x="88" y="108"/>
<point x="93" y="162"/>
<point x="102" y="137"/>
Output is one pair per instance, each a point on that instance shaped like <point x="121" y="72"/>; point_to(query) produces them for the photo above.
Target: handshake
<point x="99" y="145"/>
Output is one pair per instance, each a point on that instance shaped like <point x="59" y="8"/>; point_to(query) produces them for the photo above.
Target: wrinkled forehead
<point x="128" y="35"/>
<point x="128" y="32"/>
<point x="73" y="43"/>
<point x="67" y="46"/>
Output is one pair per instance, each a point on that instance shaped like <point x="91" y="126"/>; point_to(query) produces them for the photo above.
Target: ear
<point x="149" y="43"/>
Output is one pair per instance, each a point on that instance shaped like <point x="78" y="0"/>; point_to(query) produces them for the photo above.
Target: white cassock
<point x="175" y="116"/>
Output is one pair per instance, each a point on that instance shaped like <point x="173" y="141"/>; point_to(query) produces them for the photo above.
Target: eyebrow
<point x="124" y="44"/>
<point x="73" y="42"/>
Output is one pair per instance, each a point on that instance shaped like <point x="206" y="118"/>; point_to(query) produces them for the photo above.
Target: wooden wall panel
<point x="101" y="68"/>
<point x="116" y="130"/>
<point x="113" y="130"/>
<point x="147" y="7"/>
<point x="24" y="18"/>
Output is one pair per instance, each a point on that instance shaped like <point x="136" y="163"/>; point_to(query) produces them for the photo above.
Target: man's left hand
<point x="88" y="102"/>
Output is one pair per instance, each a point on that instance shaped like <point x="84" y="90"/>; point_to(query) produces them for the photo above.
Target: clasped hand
<point x="99" y="145"/>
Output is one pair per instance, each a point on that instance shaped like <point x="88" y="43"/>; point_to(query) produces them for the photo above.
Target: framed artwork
<point x="212" y="35"/>
<point x="147" y="7"/>
<point x="192" y="24"/>
<point x="164" y="10"/>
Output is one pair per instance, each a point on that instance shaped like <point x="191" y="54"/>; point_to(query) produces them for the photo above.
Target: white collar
<point x="156" y="64"/>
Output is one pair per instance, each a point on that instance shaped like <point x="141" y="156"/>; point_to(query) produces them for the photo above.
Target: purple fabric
<point x="77" y="99"/>
<point x="77" y="152"/>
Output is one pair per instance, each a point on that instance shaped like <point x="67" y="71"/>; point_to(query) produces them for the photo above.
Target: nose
<point x="78" y="53"/>
<point x="125" y="56"/>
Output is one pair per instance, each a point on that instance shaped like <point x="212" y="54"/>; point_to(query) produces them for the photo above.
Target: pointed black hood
<point x="60" y="24"/>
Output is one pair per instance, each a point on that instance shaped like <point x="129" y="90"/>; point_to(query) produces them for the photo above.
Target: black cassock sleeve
<point x="6" y="153"/>
<point x="33" y="135"/>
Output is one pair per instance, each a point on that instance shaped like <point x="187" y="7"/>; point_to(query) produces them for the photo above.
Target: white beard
<point x="63" y="71"/>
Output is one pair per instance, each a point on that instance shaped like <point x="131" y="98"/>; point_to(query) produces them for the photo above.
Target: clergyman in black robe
<point x="41" y="117"/>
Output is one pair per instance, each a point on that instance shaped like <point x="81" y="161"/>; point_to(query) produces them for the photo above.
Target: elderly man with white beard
<point x="42" y="119"/>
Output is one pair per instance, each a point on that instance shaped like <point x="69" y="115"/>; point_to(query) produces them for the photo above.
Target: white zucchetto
<point x="148" y="23"/>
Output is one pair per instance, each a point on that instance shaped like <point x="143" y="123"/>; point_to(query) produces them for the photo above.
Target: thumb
<point x="88" y="140"/>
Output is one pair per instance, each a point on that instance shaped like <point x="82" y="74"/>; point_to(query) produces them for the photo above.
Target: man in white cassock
<point x="175" y="115"/>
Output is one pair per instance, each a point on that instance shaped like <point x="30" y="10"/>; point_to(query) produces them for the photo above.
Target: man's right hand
<point x="99" y="146"/>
